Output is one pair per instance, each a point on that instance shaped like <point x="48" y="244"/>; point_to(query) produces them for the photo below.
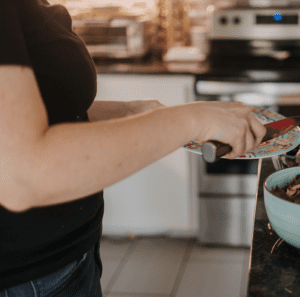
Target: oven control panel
<point x="256" y="23"/>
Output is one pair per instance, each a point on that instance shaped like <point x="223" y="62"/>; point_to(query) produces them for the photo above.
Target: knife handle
<point x="213" y="150"/>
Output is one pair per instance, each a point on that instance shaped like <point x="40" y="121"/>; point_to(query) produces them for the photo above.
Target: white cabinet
<point x="161" y="198"/>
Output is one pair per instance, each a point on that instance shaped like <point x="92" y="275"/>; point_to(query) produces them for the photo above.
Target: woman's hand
<point x="231" y="123"/>
<point x="139" y="106"/>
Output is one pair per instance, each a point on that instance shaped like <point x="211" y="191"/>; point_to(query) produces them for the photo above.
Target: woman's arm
<point x="23" y="122"/>
<point x="77" y="160"/>
<point x="42" y="165"/>
<point x="107" y="110"/>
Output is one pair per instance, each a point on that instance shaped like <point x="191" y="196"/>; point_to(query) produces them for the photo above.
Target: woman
<point x="55" y="163"/>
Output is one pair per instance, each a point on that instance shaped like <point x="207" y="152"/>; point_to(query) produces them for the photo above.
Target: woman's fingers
<point x="257" y="129"/>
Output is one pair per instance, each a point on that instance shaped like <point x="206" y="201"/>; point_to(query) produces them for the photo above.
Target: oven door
<point x="228" y="178"/>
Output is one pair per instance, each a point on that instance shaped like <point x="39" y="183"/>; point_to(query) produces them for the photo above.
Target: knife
<point x="213" y="150"/>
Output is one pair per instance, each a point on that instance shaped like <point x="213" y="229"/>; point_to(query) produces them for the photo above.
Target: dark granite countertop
<point x="150" y="64"/>
<point x="237" y="69"/>
<point x="274" y="266"/>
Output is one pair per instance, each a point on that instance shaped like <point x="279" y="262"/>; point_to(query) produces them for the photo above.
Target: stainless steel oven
<point x="227" y="188"/>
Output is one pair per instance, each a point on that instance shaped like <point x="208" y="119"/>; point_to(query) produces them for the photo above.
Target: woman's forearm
<point x="77" y="160"/>
<point x="106" y="110"/>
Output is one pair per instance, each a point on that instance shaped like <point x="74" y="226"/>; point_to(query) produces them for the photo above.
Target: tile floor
<point x="167" y="267"/>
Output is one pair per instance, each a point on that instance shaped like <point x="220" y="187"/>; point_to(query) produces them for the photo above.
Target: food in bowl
<point x="289" y="192"/>
<point x="284" y="216"/>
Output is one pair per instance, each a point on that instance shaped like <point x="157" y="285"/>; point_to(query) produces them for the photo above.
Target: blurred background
<point x="172" y="21"/>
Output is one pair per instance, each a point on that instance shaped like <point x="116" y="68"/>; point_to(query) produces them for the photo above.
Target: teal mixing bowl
<point x="283" y="215"/>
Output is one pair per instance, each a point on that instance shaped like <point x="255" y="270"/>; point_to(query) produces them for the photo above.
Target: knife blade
<point x="213" y="150"/>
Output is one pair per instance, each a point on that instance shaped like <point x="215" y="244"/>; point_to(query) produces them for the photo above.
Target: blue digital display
<point x="277" y="17"/>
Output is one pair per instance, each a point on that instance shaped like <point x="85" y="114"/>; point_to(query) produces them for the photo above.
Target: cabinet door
<point x="158" y="198"/>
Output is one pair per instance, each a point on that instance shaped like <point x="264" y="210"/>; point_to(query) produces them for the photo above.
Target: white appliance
<point x="118" y="38"/>
<point x="260" y="29"/>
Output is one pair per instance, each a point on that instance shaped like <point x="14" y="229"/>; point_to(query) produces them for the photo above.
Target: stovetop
<point x="247" y="69"/>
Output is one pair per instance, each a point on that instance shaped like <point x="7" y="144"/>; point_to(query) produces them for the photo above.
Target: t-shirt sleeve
<point x="13" y="49"/>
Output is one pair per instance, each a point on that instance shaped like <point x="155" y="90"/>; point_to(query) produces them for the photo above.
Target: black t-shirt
<point x="43" y="240"/>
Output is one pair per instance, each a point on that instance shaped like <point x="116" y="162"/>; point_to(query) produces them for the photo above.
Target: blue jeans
<point x="78" y="279"/>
